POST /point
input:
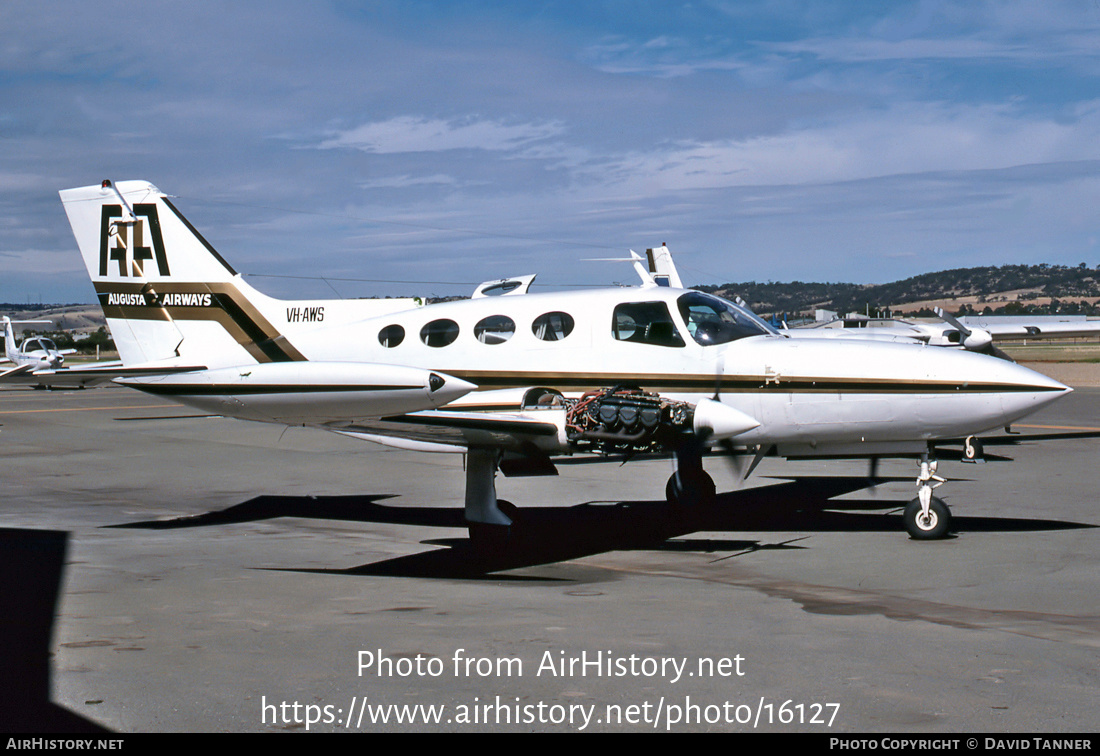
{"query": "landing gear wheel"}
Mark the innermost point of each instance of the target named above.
(972, 450)
(695, 490)
(935, 526)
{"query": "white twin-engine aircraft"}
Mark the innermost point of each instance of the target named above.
(512, 381)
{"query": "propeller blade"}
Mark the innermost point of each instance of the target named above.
(735, 459)
(973, 339)
(951, 320)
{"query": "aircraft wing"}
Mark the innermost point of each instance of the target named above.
(897, 336)
(1035, 329)
(91, 374)
(13, 375)
(456, 430)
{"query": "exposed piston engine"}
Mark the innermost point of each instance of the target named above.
(626, 419)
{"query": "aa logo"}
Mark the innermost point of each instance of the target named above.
(125, 242)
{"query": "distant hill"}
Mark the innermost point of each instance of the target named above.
(1007, 290)
(78, 318)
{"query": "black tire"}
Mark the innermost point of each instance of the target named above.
(972, 450)
(936, 526)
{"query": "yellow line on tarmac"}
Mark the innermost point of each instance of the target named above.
(1057, 427)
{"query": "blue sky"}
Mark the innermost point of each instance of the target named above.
(454, 142)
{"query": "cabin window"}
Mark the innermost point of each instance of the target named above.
(646, 323)
(712, 320)
(439, 333)
(495, 329)
(391, 336)
(553, 326)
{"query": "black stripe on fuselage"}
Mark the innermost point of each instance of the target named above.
(264, 341)
(740, 384)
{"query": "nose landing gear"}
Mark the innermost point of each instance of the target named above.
(927, 517)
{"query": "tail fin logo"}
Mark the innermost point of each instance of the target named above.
(123, 241)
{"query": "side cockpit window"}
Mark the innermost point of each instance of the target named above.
(645, 323)
(712, 320)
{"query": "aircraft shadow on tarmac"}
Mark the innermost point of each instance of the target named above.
(544, 535)
(32, 567)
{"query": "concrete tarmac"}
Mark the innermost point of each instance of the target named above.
(224, 576)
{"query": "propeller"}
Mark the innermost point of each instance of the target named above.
(735, 456)
(872, 473)
(973, 339)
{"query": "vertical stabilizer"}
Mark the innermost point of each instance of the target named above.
(166, 293)
(11, 351)
(662, 268)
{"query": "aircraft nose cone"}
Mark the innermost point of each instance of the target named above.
(1026, 378)
(1032, 390)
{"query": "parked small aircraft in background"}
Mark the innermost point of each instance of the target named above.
(975, 334)
(38, 362)
(34, 354)
(513, 381)
(37, 351)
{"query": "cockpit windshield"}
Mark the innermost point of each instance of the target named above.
(712, 320)
(39, 344)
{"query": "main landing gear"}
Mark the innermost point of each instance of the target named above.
(490, 527)
(690, 485)
(492, 521)
(927, 517)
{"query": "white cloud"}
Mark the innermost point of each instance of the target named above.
(414, 134)
(905, 139)
(405, 180)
